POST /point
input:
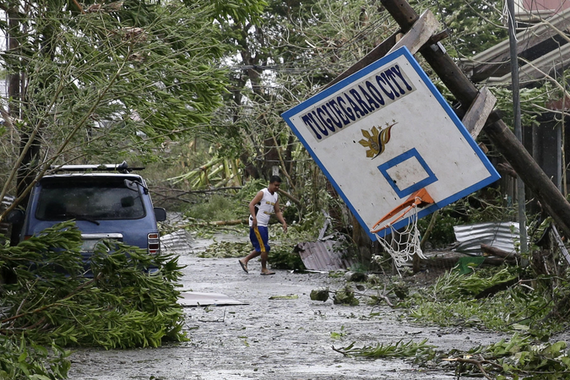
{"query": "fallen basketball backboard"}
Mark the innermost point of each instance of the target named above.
(384, 133)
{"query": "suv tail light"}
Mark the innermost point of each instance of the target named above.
(153, 243)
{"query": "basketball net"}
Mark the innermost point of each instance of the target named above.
(403, 244)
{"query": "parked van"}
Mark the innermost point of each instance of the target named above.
(106, 202)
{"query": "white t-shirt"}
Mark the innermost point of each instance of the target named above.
(266, 208)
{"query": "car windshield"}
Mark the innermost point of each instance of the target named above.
(88, 198)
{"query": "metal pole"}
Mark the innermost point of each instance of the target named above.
(521, 198)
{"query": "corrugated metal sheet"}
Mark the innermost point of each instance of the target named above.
(499, 235)
(176, 242)
(206, 299)
(323, 255)
(4, 204)
(7, 201)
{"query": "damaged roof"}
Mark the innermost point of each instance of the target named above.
(542, 49)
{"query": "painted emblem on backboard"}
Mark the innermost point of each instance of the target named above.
(376, 140)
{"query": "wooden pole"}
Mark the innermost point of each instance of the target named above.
(498, 132)
(378, 52)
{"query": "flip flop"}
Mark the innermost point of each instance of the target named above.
(267, 273)
(243, 266)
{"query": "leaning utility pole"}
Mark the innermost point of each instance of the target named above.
(498, 132)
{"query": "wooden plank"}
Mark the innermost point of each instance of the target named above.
(419, 34)
(489, 250)
(427, 25)
(479, 111)
(498, 132)
(379, 51)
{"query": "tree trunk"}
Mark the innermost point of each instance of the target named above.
(362, 241)
(13, 80)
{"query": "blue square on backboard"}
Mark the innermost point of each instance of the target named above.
(407, 189)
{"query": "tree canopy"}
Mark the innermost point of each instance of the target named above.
(101, 79)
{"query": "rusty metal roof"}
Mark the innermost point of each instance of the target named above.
(324, 255)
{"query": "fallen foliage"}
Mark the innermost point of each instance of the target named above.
(520, 357)
(226, 249)
(419, 351)
(452, 301)
(53, 304)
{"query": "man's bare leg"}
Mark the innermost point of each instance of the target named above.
(246, 259)
(264, 270)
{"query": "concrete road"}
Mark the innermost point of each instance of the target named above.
(278, 333)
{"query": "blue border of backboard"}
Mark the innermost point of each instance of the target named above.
(412, 153)
(403, 51)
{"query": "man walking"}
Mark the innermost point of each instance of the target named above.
(262, 206)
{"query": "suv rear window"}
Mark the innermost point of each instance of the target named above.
(88, 198)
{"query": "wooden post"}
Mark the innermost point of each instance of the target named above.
(378, 52)
(419, 34)
(497, 131)
(479, 111)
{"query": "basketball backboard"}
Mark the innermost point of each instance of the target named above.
(386, 132)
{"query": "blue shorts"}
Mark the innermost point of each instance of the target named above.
(264, 234)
